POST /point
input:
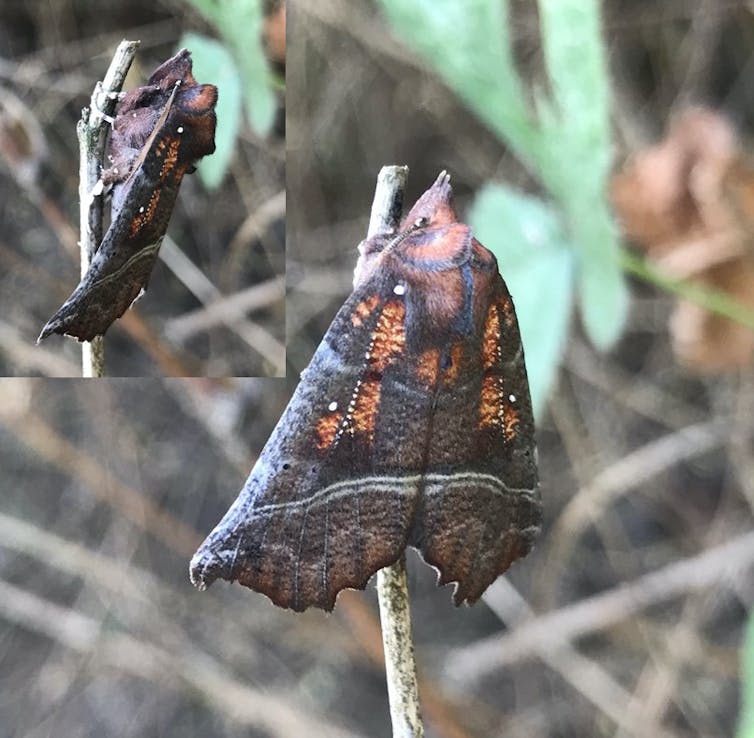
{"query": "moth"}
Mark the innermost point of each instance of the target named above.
(411, 426)
(159, 131)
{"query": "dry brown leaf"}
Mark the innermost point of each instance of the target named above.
(689, 202)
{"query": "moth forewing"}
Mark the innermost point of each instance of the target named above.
(411, 426)
(169, 140)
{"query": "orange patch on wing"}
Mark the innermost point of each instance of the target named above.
(365, 410)
(364, 309)
(144, 217)
(326, 429)
(428, 366)
(506, 305)
(136, 225)
(171, 158)
(389, 337)
(451, 373)
(495, 411)
(491, 340)
(490, 404)
(510, 422)
(388, 342)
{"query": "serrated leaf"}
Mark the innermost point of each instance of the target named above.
(467, 43)
(213, 63)
(536, 262)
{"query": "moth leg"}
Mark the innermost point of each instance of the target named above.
(99, 93)
(98, 96)
(96, 191)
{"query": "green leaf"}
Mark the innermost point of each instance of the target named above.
(240, 25)
(603, 293)
(536, 262)
(575, 159)
(575, 58)
(467, 43)
(213, 63)
(746, 717)
(568, 142)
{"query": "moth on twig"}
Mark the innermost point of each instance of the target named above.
(159, 132)
(412, 425)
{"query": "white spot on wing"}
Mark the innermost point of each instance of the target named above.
(333, 406)
(399, 289)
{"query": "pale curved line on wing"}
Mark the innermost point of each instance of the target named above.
(345, 489)
(407, 486)
(146, 251)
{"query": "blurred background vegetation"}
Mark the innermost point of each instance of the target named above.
(215, 304)
(629, 616)
(645, 444)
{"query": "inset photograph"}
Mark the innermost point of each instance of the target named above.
(142, 158)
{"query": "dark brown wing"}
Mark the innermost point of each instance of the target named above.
(480, 507)
(333, 495)
(412, 425)
(122, 265)
(142, 205)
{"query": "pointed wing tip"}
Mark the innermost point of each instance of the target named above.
(67, 328)
(203, 569)
(53, 325)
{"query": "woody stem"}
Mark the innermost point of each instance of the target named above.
(392, 585)
(92, 132)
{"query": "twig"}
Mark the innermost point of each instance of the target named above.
(717, 567)
(132, 504)
(387, 206)
(626, 474)
(400, 665)
(191, 669)
(92, 134)
(221, 309)
(17, 349)
(257, 222)
(711, 299)
(585, 675)
(392, 585)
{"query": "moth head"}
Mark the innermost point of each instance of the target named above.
(194, 119)
(175, 69)
(434, 208)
